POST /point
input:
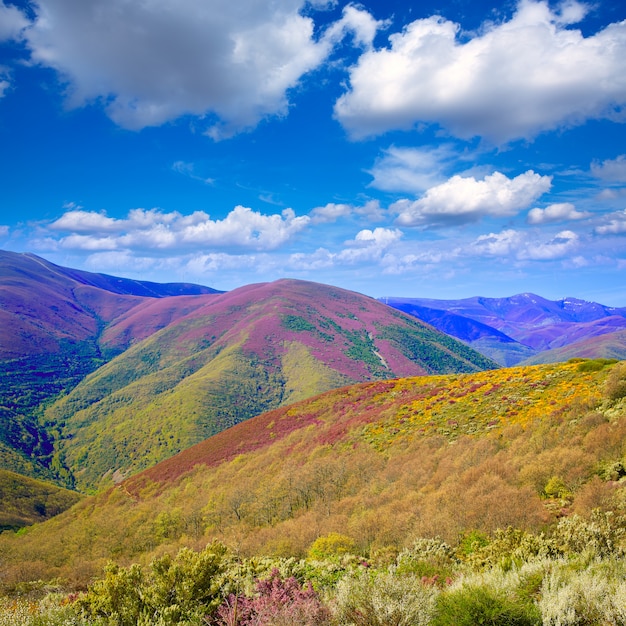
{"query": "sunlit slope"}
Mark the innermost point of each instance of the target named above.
(383, 462)
(242, 353)
(24, 501)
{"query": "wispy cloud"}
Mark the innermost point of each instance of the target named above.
(189, 170)
(412, 170)
(12, 22)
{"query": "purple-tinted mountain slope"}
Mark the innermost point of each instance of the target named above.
(521, 326)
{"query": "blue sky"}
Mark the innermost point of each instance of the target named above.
(438, 150)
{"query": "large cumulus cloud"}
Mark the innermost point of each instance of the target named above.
(512, 80)
(153, 61)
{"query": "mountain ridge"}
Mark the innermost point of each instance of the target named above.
(522, 326)
(240, 353)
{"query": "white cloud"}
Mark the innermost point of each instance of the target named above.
(611, 170)
(153, 229)
(219, 261)
(119, 261)
(616, 224)
(558, 212)
(80, 221)
(411, 170)
(154, 61)
(356, 21)
(465, 199)
(330, 213)
(371, 211)
(12, 22)
(498, 244)
(318, 260)
(513, 80)
(369, 245)
(525, 246)
(247, 228)
(418, 261)
(4, 231)
(562, 244)
(88, 242)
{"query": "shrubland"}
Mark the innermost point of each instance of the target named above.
(495, 497)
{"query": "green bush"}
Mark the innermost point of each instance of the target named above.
(173, 590)
(594, 365)
(469, 606)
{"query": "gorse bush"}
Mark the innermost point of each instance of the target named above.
(171, 591)
(332, 545)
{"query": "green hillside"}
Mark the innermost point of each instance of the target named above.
(382, 463)
(25, 501)
(243, 353)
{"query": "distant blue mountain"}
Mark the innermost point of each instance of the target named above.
(511, 330)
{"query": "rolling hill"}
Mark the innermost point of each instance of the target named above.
(239, 354)
(25, 501)
(522, 328)
(381, 462)
(56, 326)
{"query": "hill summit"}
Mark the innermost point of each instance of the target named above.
(241, 353)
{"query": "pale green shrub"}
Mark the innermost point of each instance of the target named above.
(429, 558)
(500, 597)
(52, 610)
(599, 536)
(578, 598)
(512, 547)
(386, 599)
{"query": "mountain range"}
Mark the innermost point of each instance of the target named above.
(278, 412)
(110, 376)
(525, 328)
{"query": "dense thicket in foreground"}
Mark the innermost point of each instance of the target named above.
(573, 576)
